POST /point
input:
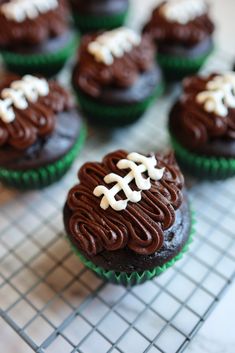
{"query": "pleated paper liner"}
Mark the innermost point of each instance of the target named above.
(43, 176)
(176, 68)
(115, 115)
(135, 278)
(86, 23)
(46, 64)
(211, 168)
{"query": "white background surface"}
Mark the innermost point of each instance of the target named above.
(217, 334)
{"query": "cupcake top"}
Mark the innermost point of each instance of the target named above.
(184, 22)
(206, 109)
(112, 59)
(126, 201)
(28, 109)
(24, 22)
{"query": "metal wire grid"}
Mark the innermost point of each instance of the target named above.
(57, 305)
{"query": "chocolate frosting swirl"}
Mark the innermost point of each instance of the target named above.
(165, 32)
(37, 121)
(91, 76)
(33, 31)
(196, 125)
(140, 226)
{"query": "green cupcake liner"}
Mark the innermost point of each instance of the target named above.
(46, 64)
(43, 176)
(178, 67)
(135, 278)
(86, 23)
(211, 168)
(115, 115)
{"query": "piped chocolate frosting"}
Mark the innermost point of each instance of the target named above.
(92, 75)
(166, 30)
(37, 118)
(33, 31)
(140, 226)
(206, 110)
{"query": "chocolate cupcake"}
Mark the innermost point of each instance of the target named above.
(116, 77)
(40, 131)
(182, 31)
(202, 126)
(35, 36)
(93, 15)
(129, 218)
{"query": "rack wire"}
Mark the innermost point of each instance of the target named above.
(57, 305)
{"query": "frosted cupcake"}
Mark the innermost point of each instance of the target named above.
(128, 219)
(35, 36)
(41, 132)
(202, 125)
(182, 31)
(116, 77)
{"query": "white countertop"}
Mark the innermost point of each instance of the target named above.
(217, 334)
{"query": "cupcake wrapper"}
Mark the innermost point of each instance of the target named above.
(135, 278)
(115, 115)
(212, 168)
(43, 176)
(88, 23)
(178, 67)
(47, 64)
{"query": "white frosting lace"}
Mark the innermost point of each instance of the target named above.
(19, 94)
(113, 44)
(20, 10)
(220, 94)
(146, 164)
(183, 11)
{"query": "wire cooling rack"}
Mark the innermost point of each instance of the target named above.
(58, 306)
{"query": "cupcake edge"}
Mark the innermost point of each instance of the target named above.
(87, 23)
(135, 278)
(116, 115)
(46, 175)
(211, 168)
(48, 64)
(178, 67)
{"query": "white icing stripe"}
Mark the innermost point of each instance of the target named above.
(20, 10)
(147, 164)
(7, 114)
(183, 11)
(27, 89)
(113, 44)
(220, 94)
